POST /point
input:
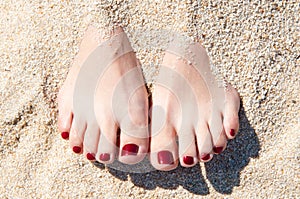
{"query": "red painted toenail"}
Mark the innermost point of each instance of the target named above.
(104, 156)
(217, 150)
(130, 149)
(232, 133)
(65, 135)
(77, 149)
(90, 156)
(205, 157)
(165, 157)
(188, 160)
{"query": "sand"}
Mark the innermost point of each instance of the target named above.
(254, 44)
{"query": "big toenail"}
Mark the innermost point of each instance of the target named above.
(104, 156)
(232, 133)
(90, 156)
(188, 160)
(77, 149)
(65, 135)
(217, 150)
(165, 157)
(205, 157)
(130, 149)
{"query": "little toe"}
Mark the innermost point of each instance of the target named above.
(231, 113)
(231, 124)
(231, 120)
(76, 135)
(164, 150)
(107, 143)
(90, 142)
(187, 148)
(64, 123)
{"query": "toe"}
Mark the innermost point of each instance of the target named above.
(164, 151)
(77, 134)
(64, 122)
(220, 145)
(90, 142)
(231, 122)
(134, 137)
(65, 115)
(187, 148)
(231, 118)
(204, 143)
(107, 142)
(219, 138)
(133, 145)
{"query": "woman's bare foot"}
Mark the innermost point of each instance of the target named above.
(104, 91)
(192, 115)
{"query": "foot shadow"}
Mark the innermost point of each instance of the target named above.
(145, 176)
(223, 171)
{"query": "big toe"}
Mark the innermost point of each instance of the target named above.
(163, 146)
(132, 149)
(134, 136)
(134, 142)
(164, 152)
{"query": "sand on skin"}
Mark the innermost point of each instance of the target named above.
(253, 44)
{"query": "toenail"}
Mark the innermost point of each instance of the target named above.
(77, 149)
(130, 149)
(205, 157)
(165, 157)
(232, 133)
(218, 150)
(65, 135)
(189, 160)
(90, 156)
(104, 156)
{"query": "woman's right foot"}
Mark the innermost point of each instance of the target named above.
(105, 91)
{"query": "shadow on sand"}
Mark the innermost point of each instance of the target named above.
(223, 171)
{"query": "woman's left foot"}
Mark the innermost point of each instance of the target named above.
(190, 108)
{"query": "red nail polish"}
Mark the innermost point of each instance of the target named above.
(90, 156)
(188, 160)
(217, 150)
(77, 149)
(65, 135)
(205, 157)
(104, 156)
(130, 149)
(165, 157)
(232, 133)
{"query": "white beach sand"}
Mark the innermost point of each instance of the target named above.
(255, 44)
